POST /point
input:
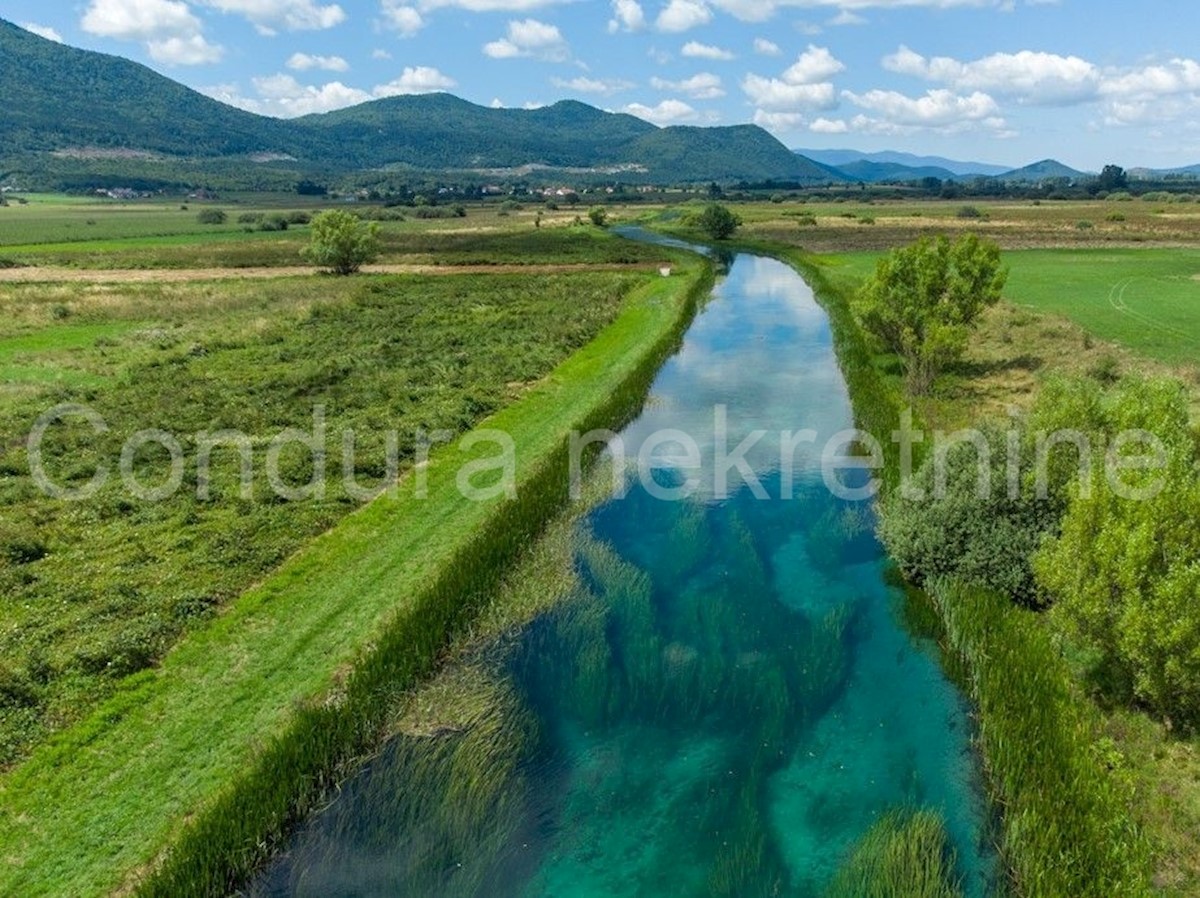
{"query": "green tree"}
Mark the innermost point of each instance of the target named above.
(924, 300)
(212, 216)
(598, 216)
(1113, 177)
(341, 242)
(718, 222)
(1125, 571)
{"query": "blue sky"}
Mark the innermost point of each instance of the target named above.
(1009, 81)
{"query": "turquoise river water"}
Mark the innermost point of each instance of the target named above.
(724, 707)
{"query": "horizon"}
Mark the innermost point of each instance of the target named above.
(960, 79)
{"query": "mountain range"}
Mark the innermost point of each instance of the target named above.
(84, 113)
(81, 104)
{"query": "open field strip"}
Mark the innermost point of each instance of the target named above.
(94, 810)
(41, 274)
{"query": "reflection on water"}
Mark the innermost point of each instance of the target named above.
(725, 705)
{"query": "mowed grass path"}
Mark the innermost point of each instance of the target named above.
(1145, 299)
(91, 811)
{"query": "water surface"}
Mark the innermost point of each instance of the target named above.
(724, 707)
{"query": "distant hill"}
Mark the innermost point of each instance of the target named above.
(882, 172)
(1155, 174)
(1046, 170)
(842, 158)
(88, 106)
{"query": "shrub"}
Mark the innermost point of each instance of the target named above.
(807, 220)
(341, 242)
(212, 217)
(1115, 216)
(250, 218)
(273, 223)
(1124, 571)
(598, 216)
(299, 217)
(1084, 225)
(1106, 370)
(969, 212)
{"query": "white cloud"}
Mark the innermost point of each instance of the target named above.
(380, 54)
(764, 47)
(529, 37)
(704, 86)
(829, 126)
(585, 85)
(283, 96)
(1028, 76)
(302, 62)
(813, 65)
(779, 122)
(402, 17)
(803, 86)
(45, 31)
(697, 50)
(420, 79)
(170, 31)
(941, 110)
(292, 15)
(194, 50)
(668, 112)
(683, 15)
(846, 17)
(628, 15)
(761, 10)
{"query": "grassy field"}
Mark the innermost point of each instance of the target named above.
(99, 802)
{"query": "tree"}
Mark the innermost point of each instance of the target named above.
(1124, 572)
(1113, 177)
(718, 222)
(212, 216)
(598, 216)
(924, 299)
(341, 242)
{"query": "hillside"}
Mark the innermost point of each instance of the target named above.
(842, 158)
(881, 172)
(97, 108)
(1046, 170)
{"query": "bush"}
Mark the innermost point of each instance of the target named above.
(1084, 225)
(969, 212)
(212, 217)
(250, 218)
(718, 222)
(807, 220)
(954, 529)
(273, 223)
(598, 216)
(1115, 217)
(1123, 571)
(341, 242)
(298, 218)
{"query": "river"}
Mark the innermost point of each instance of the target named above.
(726, 704)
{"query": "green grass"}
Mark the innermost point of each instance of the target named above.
(904, 855)
(247, 717)
(1146, 299)
(119, 580)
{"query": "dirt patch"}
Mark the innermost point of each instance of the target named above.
(35, 274)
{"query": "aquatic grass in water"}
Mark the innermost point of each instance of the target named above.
(727, 703)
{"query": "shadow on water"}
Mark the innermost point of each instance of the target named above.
(726, 704)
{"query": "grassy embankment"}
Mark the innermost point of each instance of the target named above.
(295, 676)
(1067, 827)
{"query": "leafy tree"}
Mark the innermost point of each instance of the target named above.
(1125, 571)
(341, 242)
(212, 217)
(598, 216)
(719, 222)
(1113, 177)
(924, 299)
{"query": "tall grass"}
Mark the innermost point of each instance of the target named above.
(902, 856)
(231, 837)
(1067, 827)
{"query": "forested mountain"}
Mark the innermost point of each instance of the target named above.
(844, 158)
(58, 99)
(1046, 170)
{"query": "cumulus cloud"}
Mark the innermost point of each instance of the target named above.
(764, 47)
(302, 62)
(704, 86)
(683, 15)
(291, 15)
(668, 112)
(697, 50)
(169, 30)
(1028, 76)
(400, 16)
(529, 37)
(586, 85)
(802, 87)
(761, 10)
(45, 31)
(628, 15)
(283, 96)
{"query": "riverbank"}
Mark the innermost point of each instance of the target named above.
(1067, 823)
(185, 779)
